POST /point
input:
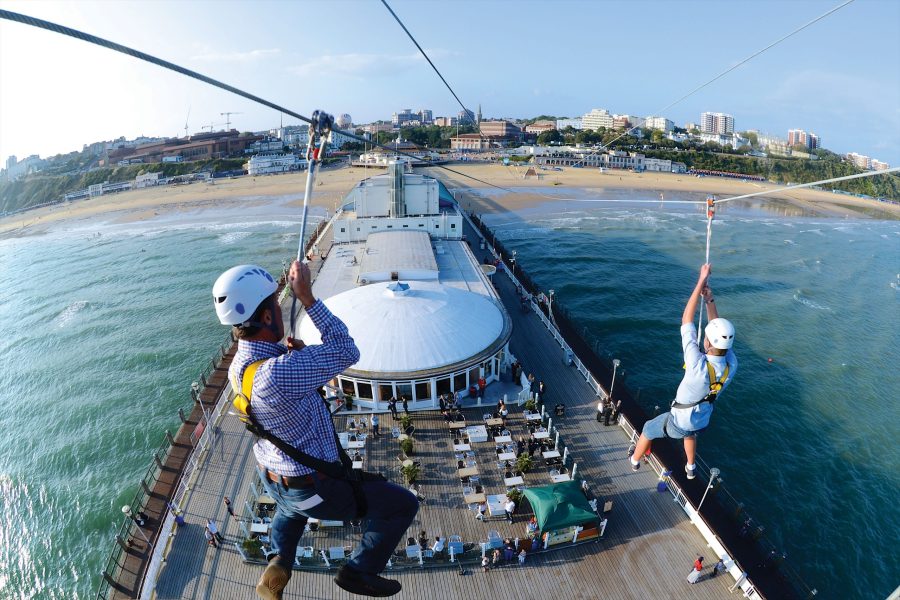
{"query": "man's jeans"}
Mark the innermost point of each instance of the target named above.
(391, 511)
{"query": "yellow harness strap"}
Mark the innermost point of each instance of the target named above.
(715, 385)
(243, 391)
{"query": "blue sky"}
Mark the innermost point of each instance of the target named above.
(840, 78)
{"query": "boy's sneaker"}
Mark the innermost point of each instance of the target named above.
(365, 584)
(691, 473)
(631, 449)
(635, 467)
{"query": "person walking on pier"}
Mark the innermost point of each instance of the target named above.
(375, 423)
(227, 502)
(304, 468)
(706, 375)
(392, 406)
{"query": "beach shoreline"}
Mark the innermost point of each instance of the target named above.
(255, 193)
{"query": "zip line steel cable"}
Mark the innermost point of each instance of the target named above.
(466, 111)
(732, 68)
(92, 39)
(399, 22)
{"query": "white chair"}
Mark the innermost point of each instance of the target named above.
(336, 553)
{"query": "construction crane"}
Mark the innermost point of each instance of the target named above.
(227, 116)
(186, 122)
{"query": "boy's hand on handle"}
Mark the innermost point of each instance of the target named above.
(705, 272)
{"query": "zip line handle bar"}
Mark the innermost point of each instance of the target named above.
(320, 125)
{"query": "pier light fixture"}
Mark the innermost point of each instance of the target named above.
(616, 363)
(126, 510)
(713, 475)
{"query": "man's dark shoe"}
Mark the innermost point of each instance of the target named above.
(365, 584)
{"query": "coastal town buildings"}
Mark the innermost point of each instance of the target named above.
(500, 132)
(800, 137)
(470, 141)
(711, 122)
(265, 164)
(445, 121)
(16, 168)
(575, 123)
(732, 139)
(205, 146)
(597, 118)
(660, 123)
(539, 127)
(877, 165)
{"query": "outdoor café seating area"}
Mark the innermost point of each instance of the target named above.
(470, 464)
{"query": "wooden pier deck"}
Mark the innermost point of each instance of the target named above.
(647, 550)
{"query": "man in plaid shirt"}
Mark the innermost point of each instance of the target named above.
(285, 402)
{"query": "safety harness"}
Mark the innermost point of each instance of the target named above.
(715, 386)
(343, 470)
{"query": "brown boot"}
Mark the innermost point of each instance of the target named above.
(273, 581)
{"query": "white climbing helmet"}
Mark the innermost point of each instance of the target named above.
(720, 333)
(239, 291)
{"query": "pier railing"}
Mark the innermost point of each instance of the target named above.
(769, 564)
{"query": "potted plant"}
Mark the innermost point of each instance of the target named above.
(406, 423)
(406, 445)
(530, 405)
(515, 495)
(524, 463)
(410, 473)
(252, 547)
(348, 399)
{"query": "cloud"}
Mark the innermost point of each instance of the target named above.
(248, 56)
(359, 65)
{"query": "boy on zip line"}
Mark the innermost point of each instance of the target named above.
(706, 374)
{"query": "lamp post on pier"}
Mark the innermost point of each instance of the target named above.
(713, 474)
(550, 298)
(616, 363)
(513, 261)
(126, 510)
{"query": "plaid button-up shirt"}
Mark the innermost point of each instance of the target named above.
(284, 398)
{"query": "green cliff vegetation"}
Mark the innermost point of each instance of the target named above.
(788, 170)
(41, 188)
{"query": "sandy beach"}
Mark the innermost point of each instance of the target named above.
(332, 184)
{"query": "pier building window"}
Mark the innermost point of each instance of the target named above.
(365, 389)
(348, 386)
(488, 369)
(423, 391)
(459, 382)
(385, 391)
(473, 375)
(443, 386)
(404, 389)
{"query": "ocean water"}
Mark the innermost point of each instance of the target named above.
(104, 335)
(807, 441)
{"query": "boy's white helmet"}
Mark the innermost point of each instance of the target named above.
(239, 291)
(720, 333)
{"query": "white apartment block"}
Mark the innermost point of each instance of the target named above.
(263, 164)
(597, 118)
(860, 160)
(711, 122)
(573, 123)
(877, 165)
(732, 139)
(661, 123)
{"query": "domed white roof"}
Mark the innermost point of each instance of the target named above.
(413, 326)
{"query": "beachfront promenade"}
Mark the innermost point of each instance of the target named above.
(647, 550)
